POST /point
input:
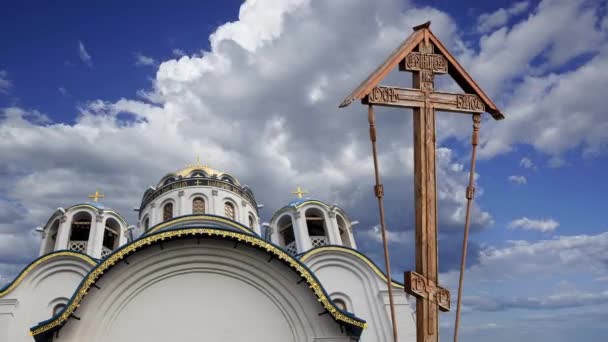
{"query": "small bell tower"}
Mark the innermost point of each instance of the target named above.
(307, 223)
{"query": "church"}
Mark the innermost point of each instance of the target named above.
(203, 268)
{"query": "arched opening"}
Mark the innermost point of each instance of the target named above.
(58, 308)
(146, 223)
(344, 232)
(79, 232)
(229, 210)
(198, 205)
(168, 211)
(51, 237)
(251, 221)
(317, 230)
(111, 237)
(198, 174)
(169, 180)
(286, 234)
(340, 304)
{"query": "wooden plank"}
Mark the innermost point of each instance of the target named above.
(425, 197)
(418, 286)
(413, 98)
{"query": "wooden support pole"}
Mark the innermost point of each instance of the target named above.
(379, 192)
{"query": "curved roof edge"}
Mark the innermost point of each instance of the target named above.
(302, 202)
(37, 262)
(184, 219)
(43, 331)
(342, 249)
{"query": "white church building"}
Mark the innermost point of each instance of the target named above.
(203, 269)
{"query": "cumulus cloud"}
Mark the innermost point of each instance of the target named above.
(489, 21)
(543, 225)
(142, 60)
(5, 83)
(253, 105)
(519, 180)
(84, 55)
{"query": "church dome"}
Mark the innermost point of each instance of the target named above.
(198, 170)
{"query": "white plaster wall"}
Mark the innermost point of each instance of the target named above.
(49, 284)
(212, 291)
(214, 204)
(348, 277)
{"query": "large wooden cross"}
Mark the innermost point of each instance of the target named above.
(424, 55)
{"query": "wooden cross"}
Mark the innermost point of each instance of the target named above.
(96, 196)
(418, 55)
(299, 192)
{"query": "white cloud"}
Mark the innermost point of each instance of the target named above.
(85, 57)
(551, 102)
(178, 52)
(5, 83)
(63, 91)
(543, 225)
(527, 163)
(518, 179)
(489, 21)
(254, 105)
(144, 60)
(375, 234)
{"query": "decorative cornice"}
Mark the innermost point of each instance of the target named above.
(341, 249)
(29, 268)
(292, 207)
(186, 218)
(340, 316)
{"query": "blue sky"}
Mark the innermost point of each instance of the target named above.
(115, 96)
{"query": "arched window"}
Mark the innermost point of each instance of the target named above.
(168, 211)
(111, 236)
(251, 221)
(58, 308)
(340, 304)
(79, 232)
(198, 205)
(286, 235)
(51, 237)
(315, 221)
(146, 224)
(344, 231)
(229, 210)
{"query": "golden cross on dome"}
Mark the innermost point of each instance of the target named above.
(96, 196)
(299, 192)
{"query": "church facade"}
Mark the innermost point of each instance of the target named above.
(202, 268)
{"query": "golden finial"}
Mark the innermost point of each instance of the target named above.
(299, 192)
(96, 196)
(197, 164)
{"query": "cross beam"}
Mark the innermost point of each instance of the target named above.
(415, 98)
